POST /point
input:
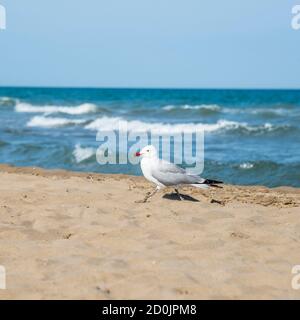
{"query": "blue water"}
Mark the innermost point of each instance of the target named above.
(252, 136)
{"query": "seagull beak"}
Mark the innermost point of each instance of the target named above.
(137, 154)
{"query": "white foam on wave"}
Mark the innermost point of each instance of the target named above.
(216, 108)
(208, 107)
(273, 111)
(82, 154)
(117, 123)
(49, 122)
(246, 165)
(5, 99)
(8, 100)
(261, 111)
(75, 110)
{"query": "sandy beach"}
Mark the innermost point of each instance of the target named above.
(66, 235)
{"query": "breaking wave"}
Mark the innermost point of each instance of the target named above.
(49, 122)
(117, 123)
(208, 107)
(80, 154)
(246, 165)
(7, 101)
(76, 110)
(211, 109)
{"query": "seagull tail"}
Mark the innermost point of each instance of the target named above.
(213, 183)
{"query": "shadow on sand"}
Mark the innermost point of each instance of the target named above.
(174, 196)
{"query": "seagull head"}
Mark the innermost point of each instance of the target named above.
(147, 152)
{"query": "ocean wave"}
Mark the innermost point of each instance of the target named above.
(212, 107)
(256, 166)
(49, 122)
(117, 123)
(209, 109)
(3, 143)
(80, 154)
(202, 109)
(5, 99)
(8, 101)
(263, 112)
(246, 165)
(76, 110)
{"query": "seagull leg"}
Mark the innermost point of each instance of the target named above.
(148, 196)
(179, 195)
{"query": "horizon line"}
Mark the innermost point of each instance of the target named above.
(144, 88)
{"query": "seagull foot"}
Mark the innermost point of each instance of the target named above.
(148, 196)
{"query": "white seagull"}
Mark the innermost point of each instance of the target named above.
(166, 174)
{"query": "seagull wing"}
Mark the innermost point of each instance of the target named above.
(171, 175)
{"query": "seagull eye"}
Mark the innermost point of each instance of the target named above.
(147, 150)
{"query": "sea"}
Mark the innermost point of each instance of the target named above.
(251, 137)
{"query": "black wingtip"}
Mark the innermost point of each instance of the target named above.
(212, 182)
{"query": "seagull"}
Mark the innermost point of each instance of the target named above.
(165, 174)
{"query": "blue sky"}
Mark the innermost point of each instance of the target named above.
(157, 43)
